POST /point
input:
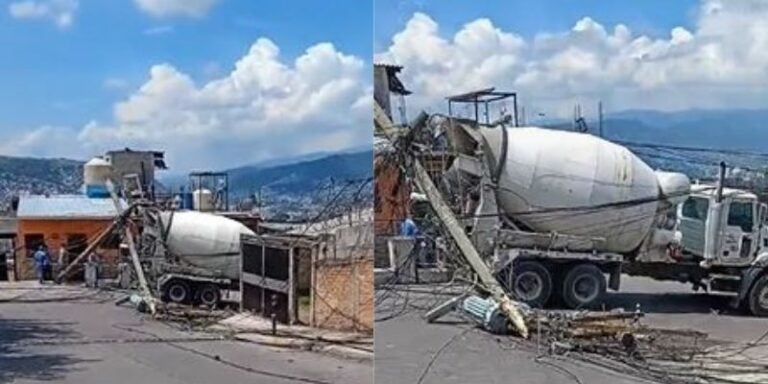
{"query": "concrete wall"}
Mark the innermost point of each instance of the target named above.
(381, 89)
(55, 233)
(124, 163)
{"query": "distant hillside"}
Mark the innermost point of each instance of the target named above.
(302, 177)
(38, 176)
(733, 129)
(297, 186)
(296, 176)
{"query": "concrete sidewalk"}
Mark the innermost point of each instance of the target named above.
(247, 327)
(29, 291)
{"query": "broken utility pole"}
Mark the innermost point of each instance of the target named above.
(147, 293)
(508, 306)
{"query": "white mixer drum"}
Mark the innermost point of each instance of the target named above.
(205, 240)
(564, 172)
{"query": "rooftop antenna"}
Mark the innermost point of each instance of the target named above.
(600, 117)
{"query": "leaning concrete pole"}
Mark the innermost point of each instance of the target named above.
(510, 308)
(134, 255)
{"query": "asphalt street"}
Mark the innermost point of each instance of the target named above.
(93, 341)
(453, 351)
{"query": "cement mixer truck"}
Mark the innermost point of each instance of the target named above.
(561, 215)
(191, 256)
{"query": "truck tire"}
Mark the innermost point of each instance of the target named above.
(758, 297)
(530, 282)
(209, 295)
(177, 291)
(583, 285)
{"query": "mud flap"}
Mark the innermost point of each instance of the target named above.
(614, 280)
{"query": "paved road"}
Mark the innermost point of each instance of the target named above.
(405, 344)
(70, 342)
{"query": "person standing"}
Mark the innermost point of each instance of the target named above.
(42, 262)
(408, 228)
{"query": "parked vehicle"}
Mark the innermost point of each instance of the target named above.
(555, 212)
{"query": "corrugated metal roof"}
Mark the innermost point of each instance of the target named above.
(66, 207)
(8, 226)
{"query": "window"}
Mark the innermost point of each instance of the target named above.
(696, 208)
(740, 214)
(32, 242)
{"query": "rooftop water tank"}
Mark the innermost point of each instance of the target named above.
(96, 172)
(202, 200)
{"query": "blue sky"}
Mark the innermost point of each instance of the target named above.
(54, 75)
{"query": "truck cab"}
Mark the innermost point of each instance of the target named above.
(737, 234)
(725, 230)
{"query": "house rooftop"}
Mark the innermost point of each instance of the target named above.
(66, 207)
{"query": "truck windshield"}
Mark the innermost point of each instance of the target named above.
(696, 208)
(740, 215)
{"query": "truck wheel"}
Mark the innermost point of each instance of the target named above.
(584, 284)
(530, 282)
(758, 297)
(209, 295)
(177, 291)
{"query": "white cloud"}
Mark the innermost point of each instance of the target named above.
(116, 83)
(60, 12)
(171, 8)
(263, 108)
(721, 62)
(158, 30)
(45, 141)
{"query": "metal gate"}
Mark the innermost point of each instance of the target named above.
(268, 270)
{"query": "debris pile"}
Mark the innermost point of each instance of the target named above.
(619, 341)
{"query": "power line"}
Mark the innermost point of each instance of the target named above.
(692, 149)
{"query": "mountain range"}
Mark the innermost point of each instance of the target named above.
(711, 131)
(290, 178)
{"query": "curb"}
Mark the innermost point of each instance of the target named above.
(306, 345)
(347, 352)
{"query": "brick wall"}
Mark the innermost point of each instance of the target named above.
(55, 234)
(343, 297)
(391, 197)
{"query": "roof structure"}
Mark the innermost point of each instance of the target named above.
(8, 227)
(66, 207)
